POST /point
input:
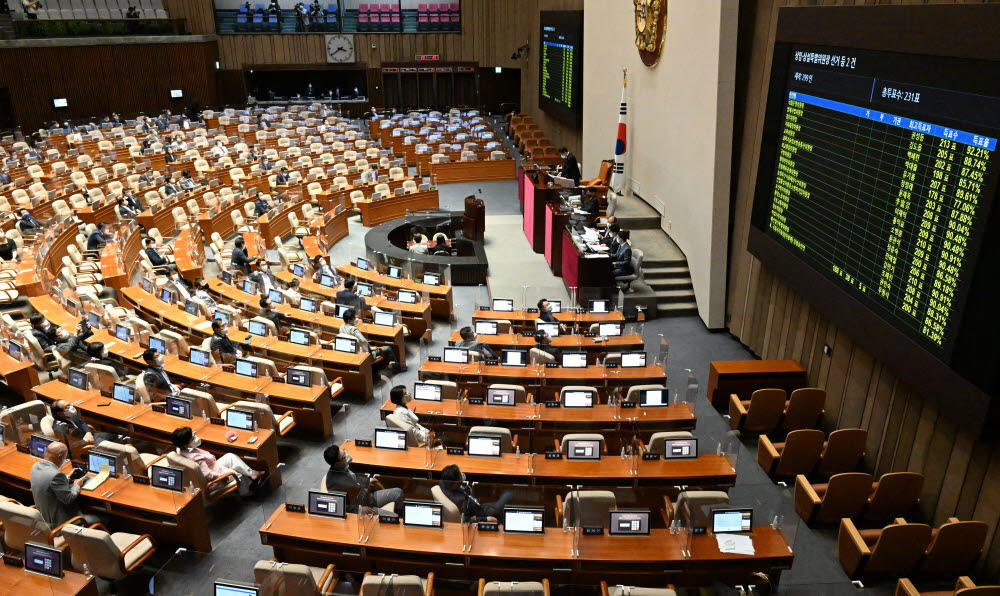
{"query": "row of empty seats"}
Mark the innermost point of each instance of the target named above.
(438, 17)
(100, 9)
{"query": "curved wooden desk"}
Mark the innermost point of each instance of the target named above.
(389, 208)
(442, 306)
(19, 581)
(523, 317)
(481, 170)
(571, 343)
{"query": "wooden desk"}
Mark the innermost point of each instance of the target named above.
(170, 517)
(473, 171)
(543, 382)
(417, 317)
(188, 254)
(527, 319)
(642, 560)
(538, 417)
(332, 198)
(331, 228)
(442, 306)
(105, 212)
(355, 369)
(743, 377)
(376, 334)
(19, 375)
(19, 581)
(389, 208)
(119, 261)
(223, 221)
(706, 471)
(570, 343)
(593, 276)
(141, 422)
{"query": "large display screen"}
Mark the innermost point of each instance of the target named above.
(560, 65)
(874, 199)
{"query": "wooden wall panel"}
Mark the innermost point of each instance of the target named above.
(98, 80)
(199, 14)
(491, 31)
(905, 430)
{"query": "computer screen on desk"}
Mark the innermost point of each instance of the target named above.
(15, 350)
(122, 332)
(178, 406)
(249, 287)
(94, 319)
(583, 449)
(307, 304)
(326, 280)
(629, 522)
(609, 329)
(653, 398)
(599, 306)
(246, 368)
(166, 296)
(191, 307)
(394, 272)
(257, 328)
(43, 559)
(500, 397)
(299, 337)
(227, 277)
(432, 279)
(406, 296)
(37, 444)
(156, 343)
(96, 458)
(123, 393)
(240, 418)
(426, 392)
(552, 329)
(523, 519)
(346, 345)
(484, 445)
(167, 477)
(514, 357)
(228, 588)
(298, 377)
(389, 438)
(298, 270)
(364, 290)
(503, 305)
(363, 264)
(221, 316)
(633, 359)
(680, 448)
(78, 378)
(385, 319)
(199, 357)
(340, 309)
(426, 514)
(578, 399)
(732, 521)
(574, 360)
(486, 327)
(555, 306)
(276, 296)
(456, 355)
(332, 504)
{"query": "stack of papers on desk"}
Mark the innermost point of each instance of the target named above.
(591, 235)
(736, 544)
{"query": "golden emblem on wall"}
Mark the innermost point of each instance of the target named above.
(650, 27)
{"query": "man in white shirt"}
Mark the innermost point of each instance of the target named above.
(348, 328)
(418, 247)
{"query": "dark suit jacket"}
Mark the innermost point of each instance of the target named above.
(155, 258)
(571, 169)
(170, 189)
(623, 259)
(240, 260)
(549, 348)
(260, 207)
(155, 376)
(281, 179)
(349, 482)
(96, 240)
(222, 344)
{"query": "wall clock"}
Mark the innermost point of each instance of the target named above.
(650, 29)
(340, 48)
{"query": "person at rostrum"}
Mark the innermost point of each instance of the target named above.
(399, 396)
(546, 316)
(360, 489)
(570, 169)
(468, 335)
(348, 328)
(55, 495)
(187, 444)
(544, 343)
(223, 348)
(452, 484)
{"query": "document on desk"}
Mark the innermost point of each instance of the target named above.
(591, 235)
(736, 544)
(94, 482)
(203, 325)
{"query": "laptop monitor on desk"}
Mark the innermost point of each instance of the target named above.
(653, 398)
(425, 514)
(78, 378)
(484, 445)
(157, 343)
(37, 444)
(680, 448)
(406, 296)
(633, 359)
(513, 357)
(345, 345)
(389, 438)
(246, 368)
(384, 319)
(628, 522)
(456, 355)
(230, 588)
(299, 337)
(500, 397)
(96, 458)
(240, 418)
(307, 304)
(178, 406)
(43, 559)
(199, 357)
(523, 519)
(394, 272)
(486, 327)
(574, 360)
(599, 306)
(167, 477)
(426, 392)
(364, 290)
(257, 328)
(732, 521)
(609, 329)
(583, 449)
(552, 329)
(503, 305)
(298, 377)
(330, 504)
(363, 265)
(123, 393)
(578, 399)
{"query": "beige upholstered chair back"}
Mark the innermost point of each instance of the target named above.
(588, 508)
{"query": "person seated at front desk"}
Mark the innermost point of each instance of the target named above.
(348, 328)
(50, 336)
(201, 293)
(623, 258)
(98, 238)
(223, 349)
(452, 484)
(68, 424)
(262, 276)
(360, 489)
(469, 341)
(187, 444)
(98, 353)
(591, 204)
(155, 377)
(399, 396)
(28, 223)
(267, 311)
(155, 258)
(544, 343)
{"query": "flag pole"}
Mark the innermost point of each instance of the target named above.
(617, 184)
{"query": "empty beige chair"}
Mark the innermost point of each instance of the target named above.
(844, 496)
(760, 414)
(439, 158)
(298, 230)
(237, 174)
(954, 548)
(397, 585)
(339, 183)
(893, 550)
(964, 587)
(513, 588)
(201, 165)
(537, 356)
(803, 409)
(383, 189)
(357, 197)
(102, 376)
(658, 440)
(180, 219)
(495, 155)
(469, 156)
(202, 403)
(842, 452)
(563, 444)
(797, 454)
(593, 508)
(23, 524)
(239, 223)
(136, 462)
(694, 507)
(396, 173)
(109, 556)
(292, 579)
(36, 172)
(193, 208)
(507, 441)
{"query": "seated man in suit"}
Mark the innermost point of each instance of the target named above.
(54, 494)
(98, 353)
(260, 206)
(67, 423)
(544, 343)
(546, 316)
(154, 255)
(570, 168)
(154, 377)
(170, 188)
(239, 260)
(28, 223)
(262, 276)
(187, 444)
(360, 489)
(223, 348)
(347, 297)
(469, 341)
(186, 181)
(623, 258)
(610, 239)
(125, 209)
(50, 336)
(591, 204)
(97, 238)
(282, 178)
(349, 328)
(267, 311)
(201, 293)
(452, 484)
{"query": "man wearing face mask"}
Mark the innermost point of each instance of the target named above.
(187, 445)
(399, 396)
(70, 425)
(155, 377)
(223, 349)
(359, 488)
(98, 353)
(201, 293)
(49, 336)
(54, 494)
(546, 316)
(453, 485)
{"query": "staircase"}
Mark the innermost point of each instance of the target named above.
(666, 290)
(7, 30)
